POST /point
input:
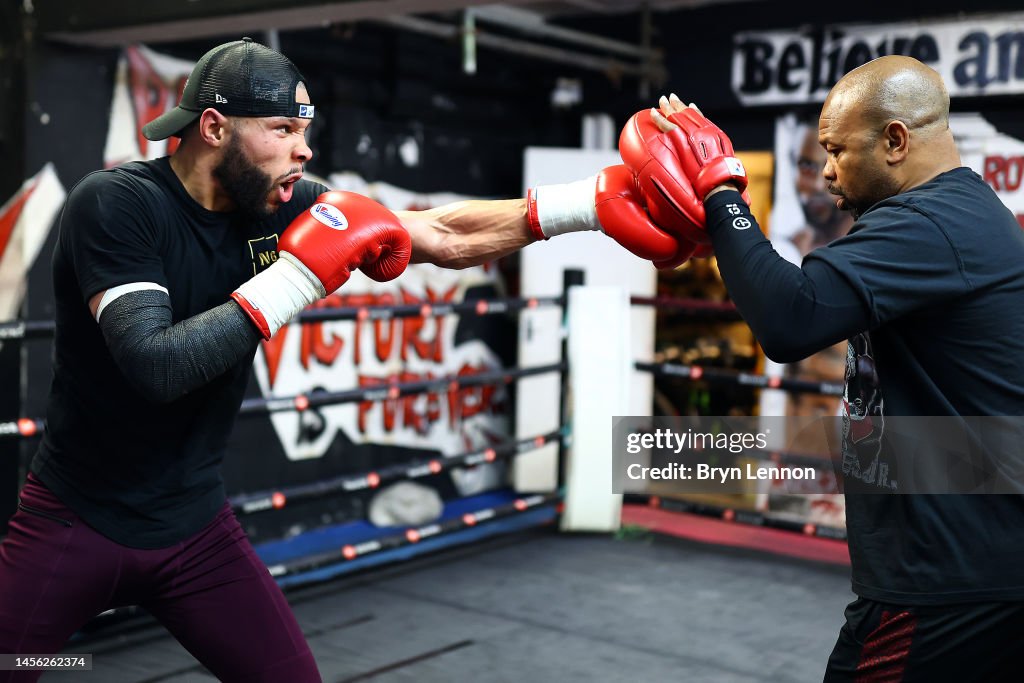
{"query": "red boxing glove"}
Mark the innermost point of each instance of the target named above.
(706, 153)
(623, 218)
(609, 202)
(342, 231)
(662, 178)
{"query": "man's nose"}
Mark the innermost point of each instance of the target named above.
(303, 152)
(828, 172)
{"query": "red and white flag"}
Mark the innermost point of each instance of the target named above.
(25, 221)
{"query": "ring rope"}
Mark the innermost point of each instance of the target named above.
(723, 376)
(415, 469)
(26, 427)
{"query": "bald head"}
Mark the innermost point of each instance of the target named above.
(896, 88)
(885, 130)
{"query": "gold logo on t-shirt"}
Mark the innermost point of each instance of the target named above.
(263, 251)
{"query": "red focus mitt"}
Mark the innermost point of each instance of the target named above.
(711, 160)
(662, 179)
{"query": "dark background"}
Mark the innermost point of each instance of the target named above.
(374, 87)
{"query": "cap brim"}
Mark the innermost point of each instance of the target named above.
(169, 123)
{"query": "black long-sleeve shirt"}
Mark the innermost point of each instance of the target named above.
(929, 288)
(793, 311)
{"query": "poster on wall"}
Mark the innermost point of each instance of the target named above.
(805, 217)
(342, 355)
(998, 158)
(976, 56)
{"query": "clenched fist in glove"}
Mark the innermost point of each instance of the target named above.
(342, 231)
(609, 202)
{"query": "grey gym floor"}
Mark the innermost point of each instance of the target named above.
(541, 606)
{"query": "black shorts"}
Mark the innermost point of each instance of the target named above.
(962, 643)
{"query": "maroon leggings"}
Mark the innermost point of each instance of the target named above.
(211, 591)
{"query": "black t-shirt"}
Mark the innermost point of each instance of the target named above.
(941, 269)
(143, 474)
(929, 289)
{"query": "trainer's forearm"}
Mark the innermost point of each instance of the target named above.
(164, 362)
(467, 233)
(792, 311)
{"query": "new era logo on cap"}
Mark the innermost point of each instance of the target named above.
(306, 111)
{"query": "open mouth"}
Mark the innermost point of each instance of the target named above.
(285, 187)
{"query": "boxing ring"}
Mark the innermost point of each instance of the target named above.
(489, 581)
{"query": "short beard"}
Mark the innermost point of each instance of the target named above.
(245, 184)
(882, 187)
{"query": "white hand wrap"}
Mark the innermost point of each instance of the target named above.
(281, 291)
(568, 207)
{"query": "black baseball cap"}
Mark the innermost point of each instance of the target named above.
(240, 78)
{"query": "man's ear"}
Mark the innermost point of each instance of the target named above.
(213, 127)
(897, 142)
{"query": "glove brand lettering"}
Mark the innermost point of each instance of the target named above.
(330, 216)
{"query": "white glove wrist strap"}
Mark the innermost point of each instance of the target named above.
(568, 207)
(282, 290)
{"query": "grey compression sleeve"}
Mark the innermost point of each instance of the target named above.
(163, 362)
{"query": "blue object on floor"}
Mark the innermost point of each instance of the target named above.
(333, 538)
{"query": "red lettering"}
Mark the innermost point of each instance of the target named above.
(365, 406)
(421, 411)
(388, 405)
(355, 301)
(412, 328)
(313, 343)
(994, 168)
(1014, 170)
(272, 352)
(383, 344)
(423, 336)
(465, 402)
(1004, 174)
